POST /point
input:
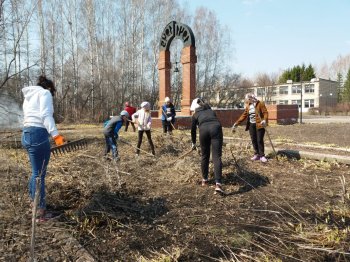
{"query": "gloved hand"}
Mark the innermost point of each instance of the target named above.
(148, 125)
(263, 123)
(59, 140)
(169, 119)
(233, 129)
(194, 146)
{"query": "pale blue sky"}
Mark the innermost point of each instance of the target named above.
(272, 35)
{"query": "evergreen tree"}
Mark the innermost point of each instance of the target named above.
(346, 91)
(297, 73)
(309, 73)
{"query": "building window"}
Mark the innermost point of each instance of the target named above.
(273, 91)
(283, 90)
(310, 88)
(273, 102)
(309, 103)
(260, 91)
(296, 102)
(283, 102)
(296, 89)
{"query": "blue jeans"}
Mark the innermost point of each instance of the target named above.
(111, 143)
(36, 141)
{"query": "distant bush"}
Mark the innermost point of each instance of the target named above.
(314, 111)
(339, 109)
(343, 108)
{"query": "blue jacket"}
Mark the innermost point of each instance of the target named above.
(168, 111)
(112, 126)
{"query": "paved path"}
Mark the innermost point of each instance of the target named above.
(326, 119)
(298, 154)
(297, 151)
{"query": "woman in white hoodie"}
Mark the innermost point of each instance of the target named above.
(39, 124)
(143, 119)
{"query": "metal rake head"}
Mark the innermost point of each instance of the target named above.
(68, 147)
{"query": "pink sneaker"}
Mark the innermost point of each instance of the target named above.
(263, 159)
(255, 157)
(205, 182)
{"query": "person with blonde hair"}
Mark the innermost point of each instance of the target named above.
(143, 120)
(257, 118)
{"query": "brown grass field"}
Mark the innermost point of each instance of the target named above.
(153, 209)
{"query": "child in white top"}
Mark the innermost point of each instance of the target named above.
(143, 120)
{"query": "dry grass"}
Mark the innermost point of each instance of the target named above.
(149, 209)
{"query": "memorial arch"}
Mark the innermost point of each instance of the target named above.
(176, 30)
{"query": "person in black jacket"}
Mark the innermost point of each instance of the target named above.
(168, 116)
(210, 135)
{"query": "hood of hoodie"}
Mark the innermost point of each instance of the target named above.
(38, 109)
(202, 108)
(31, 91)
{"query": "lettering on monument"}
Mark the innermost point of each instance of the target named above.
(178, 31)
(166, 35)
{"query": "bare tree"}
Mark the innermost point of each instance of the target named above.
(102, 53)
(13, 32)
(266, 84)
(211, 42)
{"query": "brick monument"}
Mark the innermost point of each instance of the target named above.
(176, 30)
(281, 114)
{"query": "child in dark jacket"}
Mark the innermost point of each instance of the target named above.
(168, 116)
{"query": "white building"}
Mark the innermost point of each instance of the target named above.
(310, 94)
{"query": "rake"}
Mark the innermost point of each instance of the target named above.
(268, 136)
(170, 121)
(128, 143)
(68, 147)
(182, 156)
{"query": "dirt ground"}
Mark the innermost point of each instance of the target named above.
(154, 209)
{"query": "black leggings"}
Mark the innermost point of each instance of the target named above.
(257, 136)
(148, 133)
(210, 135)
(167, 126)
(127, 125)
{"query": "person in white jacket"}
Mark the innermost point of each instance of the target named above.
(143, 120)
(38, 125)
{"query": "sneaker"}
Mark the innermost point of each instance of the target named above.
(255, 157)
(205, 182)
(218, 189)
(263, 159)
(42, 216)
